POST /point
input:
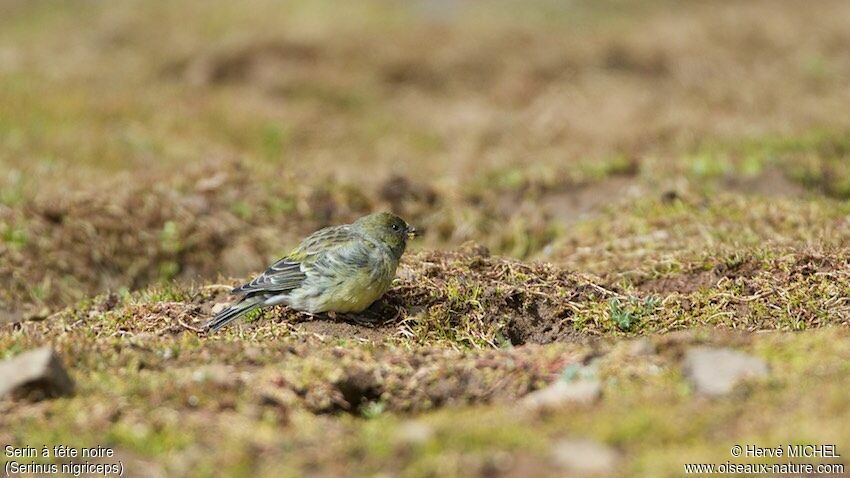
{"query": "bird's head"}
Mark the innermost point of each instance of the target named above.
(387, 228)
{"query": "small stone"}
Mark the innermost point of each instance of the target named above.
(415, 433)
(35, 375)
(641, 347)
(716, 371)
(561, 393)
(219, 307)
(585, 457)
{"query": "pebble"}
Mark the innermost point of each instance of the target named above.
(585, 457)
(36, 374)
(716, 371)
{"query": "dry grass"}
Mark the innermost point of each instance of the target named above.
(586, 173)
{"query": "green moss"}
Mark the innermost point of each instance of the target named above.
(15, 237)
(626, 315)
(817, 160)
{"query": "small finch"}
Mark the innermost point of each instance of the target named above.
(336, 269)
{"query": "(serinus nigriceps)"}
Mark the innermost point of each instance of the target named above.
(336, 269)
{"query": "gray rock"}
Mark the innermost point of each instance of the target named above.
(415, 433)
(585, 457)
(641, 347)
(716, 371)
(35, 375)
(562, 393)
(219, 307)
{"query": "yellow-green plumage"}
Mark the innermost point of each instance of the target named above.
(356, 293)
(337, 269)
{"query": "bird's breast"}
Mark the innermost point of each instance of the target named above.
(351, 289)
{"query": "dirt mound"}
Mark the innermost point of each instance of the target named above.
(468, 299)
(460, 298)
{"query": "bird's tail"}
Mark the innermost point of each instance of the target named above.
(233, 312)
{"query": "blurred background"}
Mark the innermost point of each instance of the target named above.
(698, 150)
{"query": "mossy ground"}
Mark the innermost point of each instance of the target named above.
(586, 176)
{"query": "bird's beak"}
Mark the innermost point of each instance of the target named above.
(411, 232)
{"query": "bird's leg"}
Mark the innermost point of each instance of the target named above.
(318, 315)
(371, 316)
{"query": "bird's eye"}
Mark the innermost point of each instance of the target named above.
(395, 227)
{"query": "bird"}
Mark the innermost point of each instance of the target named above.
(337, 269)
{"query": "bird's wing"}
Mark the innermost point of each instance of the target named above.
(289, 272)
